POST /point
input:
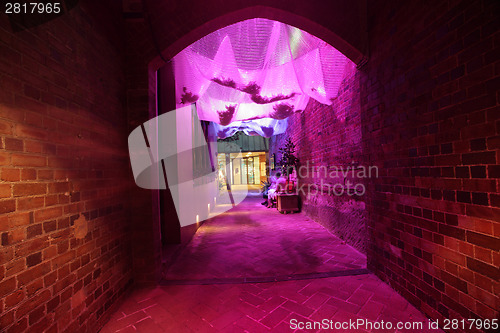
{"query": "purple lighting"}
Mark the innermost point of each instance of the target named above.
(254, 74)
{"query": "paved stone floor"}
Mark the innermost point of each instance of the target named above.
(251, 240)
(253, 269)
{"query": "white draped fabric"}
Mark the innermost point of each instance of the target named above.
(252, 75)
(265, 127)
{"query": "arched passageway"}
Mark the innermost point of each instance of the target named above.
(400, 125)
(252, 247)
(77, 234)
(171, 36)
(253, 76)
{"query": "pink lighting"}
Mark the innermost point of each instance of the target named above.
(265, 127)
(254, 74)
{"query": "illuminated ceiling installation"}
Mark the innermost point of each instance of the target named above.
(254, 74)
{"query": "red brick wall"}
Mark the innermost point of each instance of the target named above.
(328, 140)
(428, 117)
(63, 160)
(141, 106)
(430, 121)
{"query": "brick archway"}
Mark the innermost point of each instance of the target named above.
(272, 13)
(170, 45)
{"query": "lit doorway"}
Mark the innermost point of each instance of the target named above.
(249, 169)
